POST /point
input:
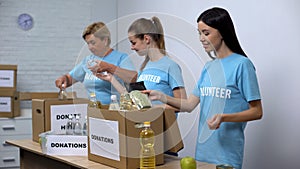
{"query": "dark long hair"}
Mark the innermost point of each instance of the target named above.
(220, 19)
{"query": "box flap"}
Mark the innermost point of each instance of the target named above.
(172, 137)
(38, 118)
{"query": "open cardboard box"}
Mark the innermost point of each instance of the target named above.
(41, 113)
(125, 153)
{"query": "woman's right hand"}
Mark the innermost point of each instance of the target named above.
(60, 81)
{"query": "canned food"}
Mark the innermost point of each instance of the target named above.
(224, 166)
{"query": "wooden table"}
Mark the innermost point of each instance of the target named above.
(32, 157)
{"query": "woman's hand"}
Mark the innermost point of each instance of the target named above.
(215, 122)
(104, 76)
(102, 66)
(59, 82)
(155, 95)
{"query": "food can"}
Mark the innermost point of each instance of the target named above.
(224, 166)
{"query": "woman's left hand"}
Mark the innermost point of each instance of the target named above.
(102, 66)
(104, 76)
(215, 122)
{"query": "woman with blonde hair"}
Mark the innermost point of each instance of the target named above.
(97, 37)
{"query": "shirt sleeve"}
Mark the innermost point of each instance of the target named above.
(78, 72)
(247, 81)
(175, 76)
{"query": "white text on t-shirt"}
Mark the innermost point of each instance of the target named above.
(151, 78)
(215, 92)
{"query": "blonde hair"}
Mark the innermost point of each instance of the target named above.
(151, 27)
(99, 30)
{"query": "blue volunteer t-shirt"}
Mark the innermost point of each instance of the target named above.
(163, 75)
(225, 86)
(102, 88)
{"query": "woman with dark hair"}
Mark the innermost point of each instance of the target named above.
(227, 91)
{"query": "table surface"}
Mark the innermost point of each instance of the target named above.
(171, 162)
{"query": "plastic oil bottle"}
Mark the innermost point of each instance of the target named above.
(85, 127)
(62, 95)
(70, 125)
(114, 105)
(125, 102)
(77, 126)
(93, 101)
(147, 153)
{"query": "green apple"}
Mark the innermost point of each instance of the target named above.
(188, 163)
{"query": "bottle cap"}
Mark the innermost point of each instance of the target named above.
(92, 94)
(147, 123)
(113, 97)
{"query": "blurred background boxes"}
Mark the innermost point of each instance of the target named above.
(8, 77)
(9, 102)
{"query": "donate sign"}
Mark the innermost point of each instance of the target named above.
(60, 115)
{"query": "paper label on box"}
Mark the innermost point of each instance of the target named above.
(67, 145)
(5, 104)
(60, 115)
(6, 78)
(104, 138)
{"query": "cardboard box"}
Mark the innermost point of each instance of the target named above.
(42, 95)
(172, 137)
(114, 136)
(8, 77)
(9, 103)
(42, 115)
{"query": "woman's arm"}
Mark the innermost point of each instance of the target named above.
(110, 78)
(254, 112)
(184, 105)
(178, 92)
(128, 76)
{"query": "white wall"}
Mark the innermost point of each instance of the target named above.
(54, 45)
(268, 32)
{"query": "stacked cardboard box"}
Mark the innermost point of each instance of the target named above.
(9, 100)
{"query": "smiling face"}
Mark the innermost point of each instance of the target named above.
(97, 46)
(137, 44)
(210, 38)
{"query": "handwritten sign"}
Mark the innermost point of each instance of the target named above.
(60, 115)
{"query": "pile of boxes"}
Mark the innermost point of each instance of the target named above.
(9, 98)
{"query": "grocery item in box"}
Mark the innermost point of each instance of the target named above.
(140, 99)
